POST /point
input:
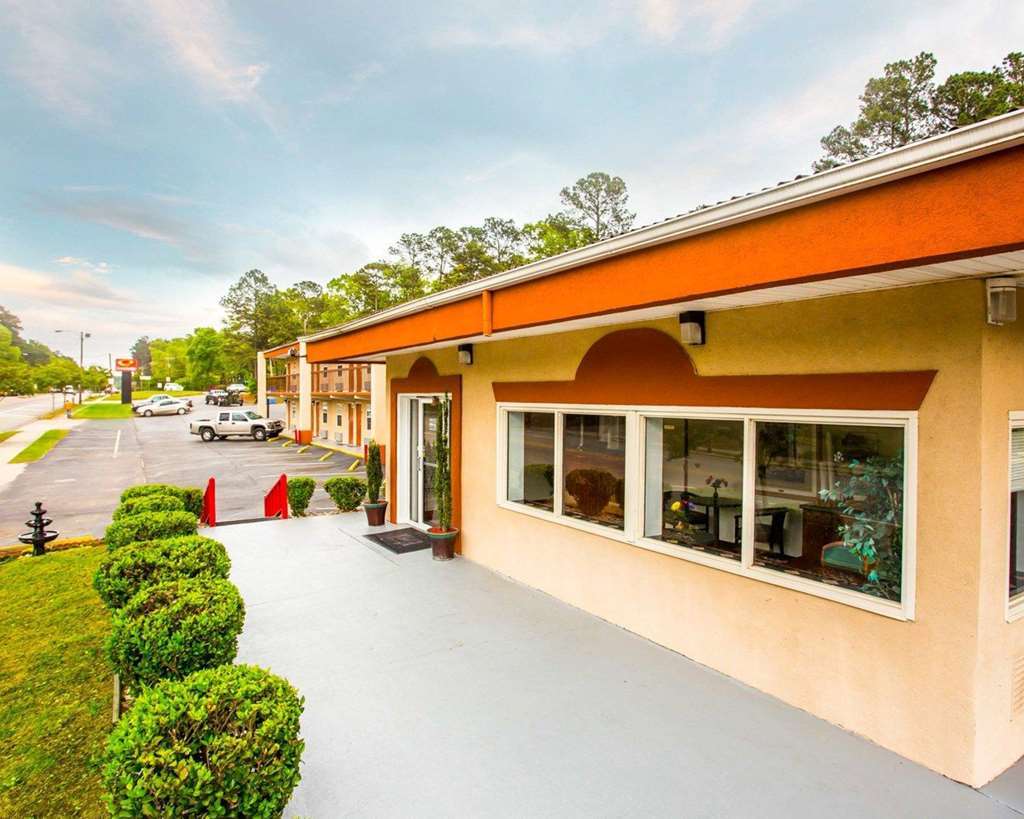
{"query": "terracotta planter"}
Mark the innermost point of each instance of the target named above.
(442, 543)
(375, 513)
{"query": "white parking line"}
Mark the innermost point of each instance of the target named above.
(117, 443)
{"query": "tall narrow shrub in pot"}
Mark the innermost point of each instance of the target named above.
(442, 536)
(374, 506)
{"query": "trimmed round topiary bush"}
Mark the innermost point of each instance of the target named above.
(168, 630)
(222, 742)
(300, 490)
(191, 496)
(149, 526)
(125, 571)
(347, 493)
(149, 503)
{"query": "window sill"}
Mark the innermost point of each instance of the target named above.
(572, 523)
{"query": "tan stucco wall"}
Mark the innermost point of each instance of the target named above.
(913, 687)
(1000, 733)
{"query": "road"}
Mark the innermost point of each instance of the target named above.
(81, 479)
(16, 410)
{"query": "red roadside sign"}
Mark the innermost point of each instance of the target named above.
(128, 365)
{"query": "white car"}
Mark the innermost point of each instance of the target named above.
(236, 388)
(166, 406)
(170, 386)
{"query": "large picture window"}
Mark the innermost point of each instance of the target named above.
(594, 465)
(828, 504)
(531, 459)
(693, 486)
(821, 503)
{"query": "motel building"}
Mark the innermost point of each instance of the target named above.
(329, 402)
(782, 436)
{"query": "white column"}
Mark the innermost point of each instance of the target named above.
(261, 383)
(304, 423)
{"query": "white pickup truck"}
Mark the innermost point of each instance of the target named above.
(236, 422)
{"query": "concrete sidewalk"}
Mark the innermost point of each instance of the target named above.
(24, 436)
(444, 689)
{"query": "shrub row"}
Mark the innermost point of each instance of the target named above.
(203, 737)
(168, 630)
(149, 526)
(190, 496)
(124, 572)
(346, 492)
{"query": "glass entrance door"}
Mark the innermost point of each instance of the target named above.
(421, 440)
(429, 414)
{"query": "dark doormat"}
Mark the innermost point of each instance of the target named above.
(402, 541)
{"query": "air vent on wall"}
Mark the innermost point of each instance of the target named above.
(1017, 687)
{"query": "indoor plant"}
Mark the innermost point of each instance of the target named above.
(374, 506)
(442, 537)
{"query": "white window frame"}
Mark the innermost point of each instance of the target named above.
(632, 533)
(1014, 605)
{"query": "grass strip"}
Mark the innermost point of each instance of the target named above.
(39, 447)
(54, 685)
(103, 410)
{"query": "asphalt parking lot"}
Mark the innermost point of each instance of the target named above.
(81, 479)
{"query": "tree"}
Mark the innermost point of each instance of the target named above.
(15, 375)
(904, 105)
(598, 202)
(57, 374)
(95, 378)
(377, 286)
(204, 354)
(305, 303)
(140, 352)
(970, 96)
(255, 311)
(169, 359)
(554, 234)
(503, 242)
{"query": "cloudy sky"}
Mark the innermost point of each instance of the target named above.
(153, 150)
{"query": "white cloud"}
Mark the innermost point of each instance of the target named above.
(71, 54)
(47, 51)
(200, 39)
(701, 25)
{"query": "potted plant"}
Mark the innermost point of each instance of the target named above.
(442, 537)
(374, 506)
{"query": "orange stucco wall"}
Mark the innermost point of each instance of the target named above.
(934, 689)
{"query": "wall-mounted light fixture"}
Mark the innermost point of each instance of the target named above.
(1002, 299)
(465, 353)
(691, 327)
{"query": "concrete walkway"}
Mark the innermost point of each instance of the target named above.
(444, 689)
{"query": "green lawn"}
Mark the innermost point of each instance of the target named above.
(55, 688)
(103, 410)
(39, 447)
(6, 434)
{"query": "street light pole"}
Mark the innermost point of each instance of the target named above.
(82, 336)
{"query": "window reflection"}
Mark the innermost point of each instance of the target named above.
(694, 483)
(531, 459)
(829, 504)
(594, 465)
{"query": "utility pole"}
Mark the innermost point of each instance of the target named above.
(82, 336)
